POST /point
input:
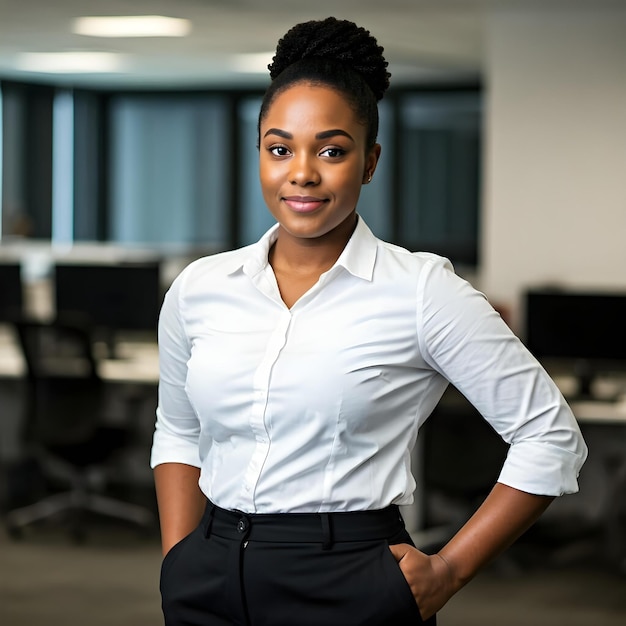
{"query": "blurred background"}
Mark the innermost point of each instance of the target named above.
(128, 150)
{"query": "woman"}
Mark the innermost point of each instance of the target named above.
(296, 372)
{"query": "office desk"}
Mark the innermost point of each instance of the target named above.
(11, 361)
(591, 412)
(136, 361)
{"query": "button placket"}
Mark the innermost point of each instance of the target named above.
(261, 383)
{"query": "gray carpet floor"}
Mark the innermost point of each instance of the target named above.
(112, 579)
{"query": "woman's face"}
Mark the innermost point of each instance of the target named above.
(313, 160)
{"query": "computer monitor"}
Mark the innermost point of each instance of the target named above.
(111, 298)
(584, 330)
(11, 293)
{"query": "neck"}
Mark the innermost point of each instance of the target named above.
(310, 256)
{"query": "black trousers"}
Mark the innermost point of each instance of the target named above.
(296, 569)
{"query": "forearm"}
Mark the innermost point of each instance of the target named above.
(180, 501)
(504, 515)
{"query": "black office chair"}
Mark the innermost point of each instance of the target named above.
(64, 400)
(12, 297)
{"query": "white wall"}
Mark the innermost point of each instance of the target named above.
(555, 187)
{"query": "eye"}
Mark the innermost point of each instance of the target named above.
(279, 151)
(333, 153)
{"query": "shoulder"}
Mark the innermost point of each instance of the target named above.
(210, 268)
(414, 262)
(432, 276)
(201, 278)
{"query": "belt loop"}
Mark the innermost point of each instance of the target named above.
(327, 532)
(209, 519)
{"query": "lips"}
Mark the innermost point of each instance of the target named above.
(303, 204)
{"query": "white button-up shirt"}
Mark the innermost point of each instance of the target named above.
(317, 407)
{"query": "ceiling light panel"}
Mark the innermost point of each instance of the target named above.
(70, 62)
(132, 26)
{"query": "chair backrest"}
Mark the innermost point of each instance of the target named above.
(64, 390)
(11, 291)
(57, 349)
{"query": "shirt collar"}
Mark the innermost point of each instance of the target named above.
(358, 257)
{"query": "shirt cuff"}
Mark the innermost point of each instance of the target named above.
(168, 448)
(542, 469)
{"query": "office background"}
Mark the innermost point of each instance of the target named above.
(551, 204)
(524, 104)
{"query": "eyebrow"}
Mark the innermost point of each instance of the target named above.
(325, 134)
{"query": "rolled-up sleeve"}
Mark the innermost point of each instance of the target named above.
(466, 340)
(177, 431)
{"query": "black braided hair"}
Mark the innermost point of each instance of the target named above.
(338, 54)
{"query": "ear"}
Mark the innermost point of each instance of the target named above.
(371, 162)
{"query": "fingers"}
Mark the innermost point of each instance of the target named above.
(426, 575)
(399, 550)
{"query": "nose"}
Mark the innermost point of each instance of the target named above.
(303, 172)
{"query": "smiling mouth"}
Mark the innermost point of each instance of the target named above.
(303, 204)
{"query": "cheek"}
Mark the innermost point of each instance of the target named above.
(349, 183)
(271, 183)
(270, 177)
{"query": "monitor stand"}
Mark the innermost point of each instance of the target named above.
(585, 375)
(108, 337)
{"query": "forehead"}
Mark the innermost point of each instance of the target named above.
(306, 105)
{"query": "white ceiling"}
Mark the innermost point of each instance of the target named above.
(429, 39)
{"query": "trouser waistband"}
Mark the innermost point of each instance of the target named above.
(325, 528)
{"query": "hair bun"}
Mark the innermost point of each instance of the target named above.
(338, 40)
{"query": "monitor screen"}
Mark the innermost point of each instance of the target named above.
(11, 295)
(586, 328)
(125, 296)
